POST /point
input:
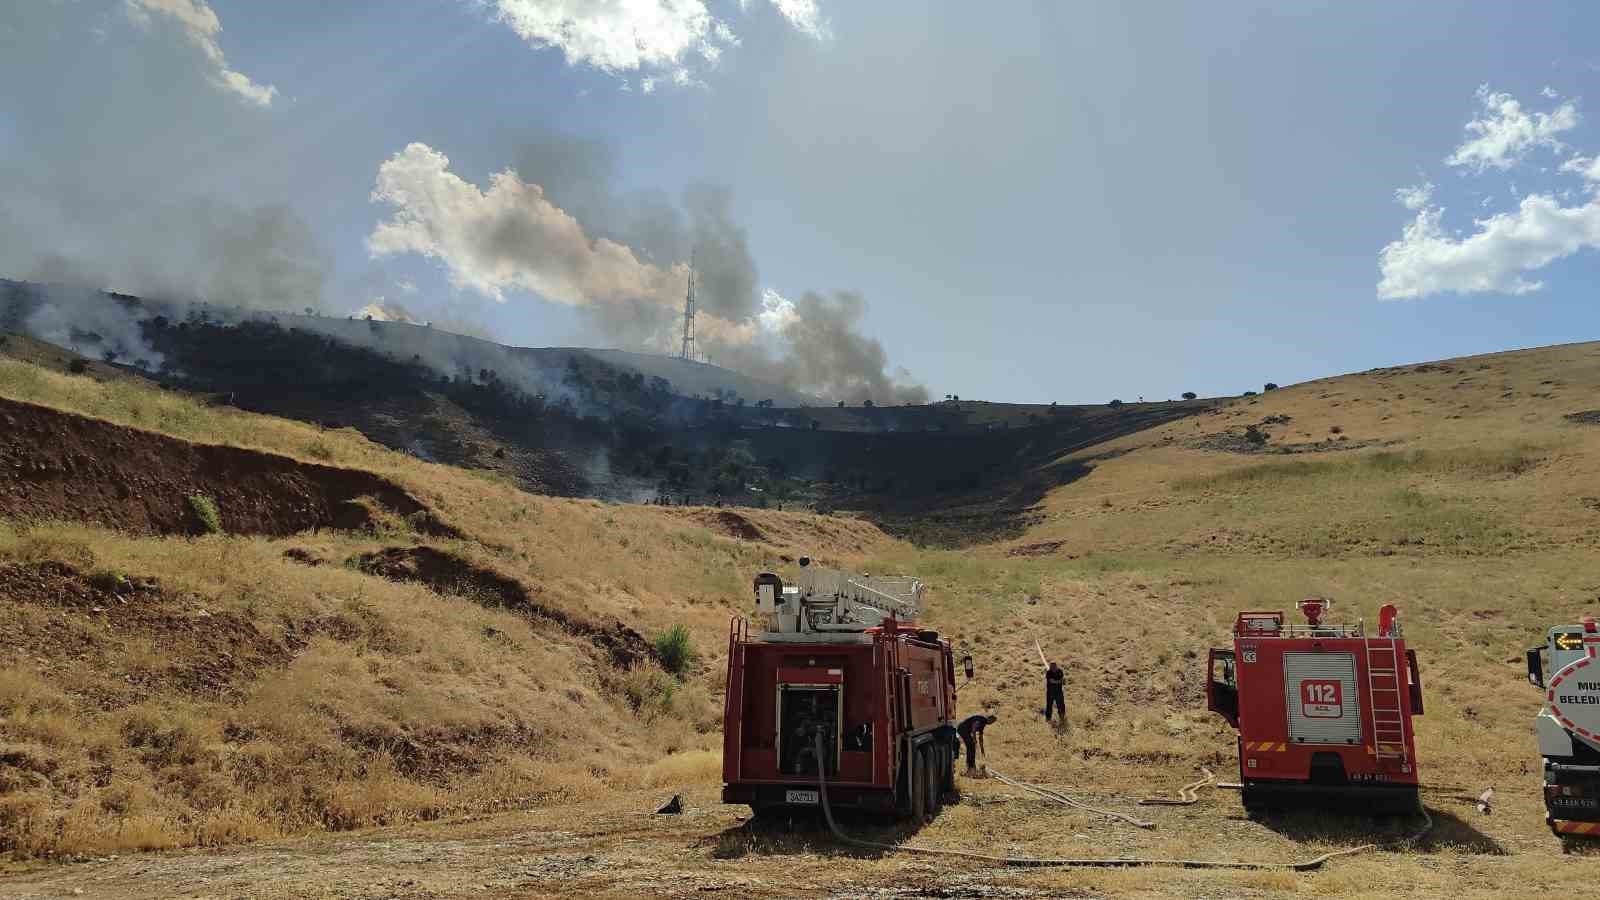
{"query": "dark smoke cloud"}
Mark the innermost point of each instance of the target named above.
(133, 173)
(821, 346)
(579, 176)
(813, 345)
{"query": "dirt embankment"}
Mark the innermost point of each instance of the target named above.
(63, 617)
(450, 574)
(55, 465)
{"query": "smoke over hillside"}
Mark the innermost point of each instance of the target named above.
(554, 225)
(135, 174)
(146, 174)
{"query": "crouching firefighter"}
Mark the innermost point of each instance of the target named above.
(971, 733)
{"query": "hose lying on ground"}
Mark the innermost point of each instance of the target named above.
(1068, 801)
(1188, 795)
(1116, 862)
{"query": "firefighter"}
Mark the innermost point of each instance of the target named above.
(1055, 691)
(971, 733)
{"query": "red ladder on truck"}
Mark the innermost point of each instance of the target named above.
(1383, 697)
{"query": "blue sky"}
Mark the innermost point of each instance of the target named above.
(1035, 202)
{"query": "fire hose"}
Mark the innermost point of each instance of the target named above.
(1062, 862)
(1188, 795)
(1068, 801)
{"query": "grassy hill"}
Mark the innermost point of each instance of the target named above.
(164, 690)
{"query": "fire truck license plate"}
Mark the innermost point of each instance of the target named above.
(1322, 698)
(800, 796)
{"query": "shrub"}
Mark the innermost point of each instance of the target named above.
(1189, 395)
(78, 366)
(1269, 386)
(1335, 429)
(1255, 435)
(1114, 404)
(648, 691)
(205, 510)
(675, 649)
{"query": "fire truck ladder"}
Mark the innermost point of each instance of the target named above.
(1383, 698)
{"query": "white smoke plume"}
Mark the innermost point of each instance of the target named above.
(115, 174)
(553, 226)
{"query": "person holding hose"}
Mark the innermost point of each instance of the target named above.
(1055, 688)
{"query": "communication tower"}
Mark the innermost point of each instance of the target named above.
(688, 351)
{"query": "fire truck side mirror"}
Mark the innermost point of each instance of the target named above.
(1535, 668)
(966, 665)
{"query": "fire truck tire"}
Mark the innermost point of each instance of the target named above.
(1254, 806)
(931, 794)
(947, 769)
(918, 783)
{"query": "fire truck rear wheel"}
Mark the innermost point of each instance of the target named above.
(917, 785)
(932, 793)
(1254, 807)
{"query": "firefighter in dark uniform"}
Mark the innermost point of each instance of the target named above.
(1055, 691)
(971, 733)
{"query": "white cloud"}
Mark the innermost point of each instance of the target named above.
(508, 237)
(201, 26)
(1587, 167)
(1505, 133)
(381, 310)
(644, 36)
(1550, 92)
(804, 16)
(1426, 261)
(777, 312)
(1416, 196)
(616, 35)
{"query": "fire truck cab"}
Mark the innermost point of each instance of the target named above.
(1323, 711)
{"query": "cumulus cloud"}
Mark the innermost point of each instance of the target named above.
(509, 236)
(1416, 196)
(660, 38)
(804, 16)
(201, 26)
(625, 265)
(381, 310)
(1426, 260)
(615, 35)
(1505, 132)
(1586, 167)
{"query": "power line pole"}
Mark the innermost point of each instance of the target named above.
(688, 315)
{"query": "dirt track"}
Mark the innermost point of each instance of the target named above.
(616, 848)
(55, 465)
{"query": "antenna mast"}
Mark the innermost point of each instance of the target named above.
(688, 315)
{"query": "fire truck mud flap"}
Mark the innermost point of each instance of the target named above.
(1377, 799)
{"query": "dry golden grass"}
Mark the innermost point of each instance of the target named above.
(1481, 528)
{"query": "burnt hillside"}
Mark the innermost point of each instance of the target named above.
(590, 428)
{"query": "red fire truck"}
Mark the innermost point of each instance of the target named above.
(838, 655)
(1323, 711)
